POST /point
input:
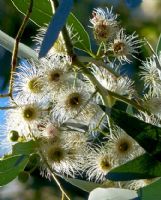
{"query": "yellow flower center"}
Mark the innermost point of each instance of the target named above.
(55, 154)
(74, 100)
(55, 75)
(29, 113)
(35, 85)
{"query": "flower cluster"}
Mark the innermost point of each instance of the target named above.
(57, 105)
(107, 31)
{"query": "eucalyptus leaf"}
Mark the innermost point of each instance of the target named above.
(142, 167)
(112, 194)
(144, 133)
(41, 12)
(151, 191)
(158, 49)
(57, 22)
(83, 185)
(84, 41)
(10, 168)
(24, 148)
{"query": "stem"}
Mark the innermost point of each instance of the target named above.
(53, 175)
(99, 63)
(8, 107)
(91, 77)
(48, 166)
(128, 101)
(15, 49)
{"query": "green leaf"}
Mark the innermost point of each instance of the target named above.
(24, 148)
(10, 168)
(158, 49)
(143, 167)
(151, 191)
(84, 43)
(83, 185)
(41, 12)
(143, 133)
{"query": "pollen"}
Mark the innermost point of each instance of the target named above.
(124, 146)
(30, 113)
(120, 48)
(105, 164)
(54, 75)
(35, 85)
(55, 154)
(102, 31)
(74, 100)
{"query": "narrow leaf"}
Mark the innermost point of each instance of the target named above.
(10, 168)
(151, 191)
(83, 185)
(24, 148)
(55, 26)
(41, 13)
(84, 41)
(158, 49)
(143, 167)
(144, 133)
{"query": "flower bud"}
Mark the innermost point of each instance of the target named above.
(14, 136)
(23, 177)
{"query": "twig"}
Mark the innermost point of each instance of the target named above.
(128, 101)
(15, 49)
(8, 107)
(99, 63)
(4, 95)
(48, 166)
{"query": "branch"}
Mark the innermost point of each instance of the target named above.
(8, 107)
(99, 63)
(15, 49)
(24, 51)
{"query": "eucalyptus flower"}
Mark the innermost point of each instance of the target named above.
(124, 46)
(104, 24)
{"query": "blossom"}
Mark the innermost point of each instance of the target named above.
(74, 103)
(62, 158)
(28, 82)
(124, 46)
(121, 85)
(99, 162)
(56, 73)
(151, 75)
(104, 24)
(122, 146)
(153, 104)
